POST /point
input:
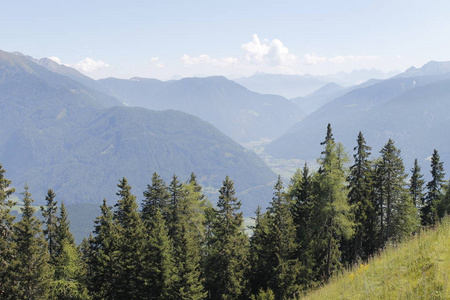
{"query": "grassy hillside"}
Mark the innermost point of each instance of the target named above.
(416, 269)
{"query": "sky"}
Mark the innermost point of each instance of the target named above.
(171, 39)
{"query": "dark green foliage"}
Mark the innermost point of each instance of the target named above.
(416, 183)
(102, 257)
(160, 272)
(301, 195)
(429, 215)
(69, 275)
(397, 213)
(360, 199)
(131, 239)
(51, 223)
(332, 221)
(7, 242)
(285, 269)
(228, 249)
(156, 198)
(33, 273)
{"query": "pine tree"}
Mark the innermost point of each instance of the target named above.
(69, 273)
(398, 216)
(130, 283)
(33, 273)
(434, 188)
(360, 199)
(50, 220)
(228, 253)
(7, 241)
(416, 185)
(102, 258)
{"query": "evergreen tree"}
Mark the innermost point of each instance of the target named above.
(102, 257)
(69, 272)
(443, 207)
(156, 197)
(360, 199)
(398, 216)
(50, 221)
(228, 253)
(282, 247)
(416, 185)
(301, 196)
(33, 273)
(130, 283)
(260, 255)
(331, 212)
(7, 241)
(187, 233)
(160, 272)
(434, 188)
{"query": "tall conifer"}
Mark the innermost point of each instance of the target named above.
(33, 272)
(7, 241)
(434, 190)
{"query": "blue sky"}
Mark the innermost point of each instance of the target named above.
(163, 39)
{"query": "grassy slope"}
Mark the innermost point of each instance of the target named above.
(416, 269)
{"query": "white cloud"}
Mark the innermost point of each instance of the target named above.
(272, 53)
(206, 59)
(341, 59)
(89, 65)
(55, 59)
(154, 59)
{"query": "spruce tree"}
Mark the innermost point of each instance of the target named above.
(398, 215)
(416, 183)
(300, 194)
(159, 271)
(282, 247)
(69, 272)
(228, 249)
(360, 199)
(50, 221)
(260, 255)
(434, 188)
(7, 240)
(33, 273)
(102, 258)
(130, 283)
(156, 197)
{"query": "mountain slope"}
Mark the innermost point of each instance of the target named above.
(416, 269)
(241, 114)
(57, 135)
(288, 86)
(398, 108)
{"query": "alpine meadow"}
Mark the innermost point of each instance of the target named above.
(224, 150)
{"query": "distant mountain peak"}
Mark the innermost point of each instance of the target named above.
(431, 68)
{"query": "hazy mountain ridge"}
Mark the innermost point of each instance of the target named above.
(411, 110)
(56, 134)
(241, 114)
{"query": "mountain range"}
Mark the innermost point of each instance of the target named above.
(58, 133)
(410, 108)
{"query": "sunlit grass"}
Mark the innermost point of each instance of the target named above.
(416, 269)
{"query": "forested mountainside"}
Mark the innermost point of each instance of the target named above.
(174, 244)
(57, 133)
(410, 110)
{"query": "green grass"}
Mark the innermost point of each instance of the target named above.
(416, 269)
